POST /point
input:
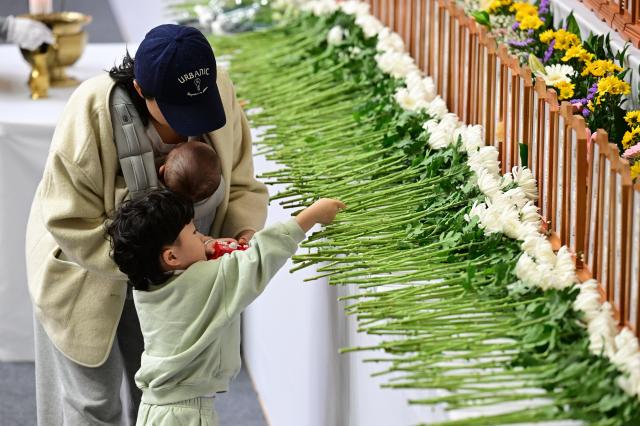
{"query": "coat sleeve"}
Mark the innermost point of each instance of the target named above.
(73, 189)
(245, 274)
(248, 197)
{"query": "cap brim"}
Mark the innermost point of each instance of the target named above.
(195, 118)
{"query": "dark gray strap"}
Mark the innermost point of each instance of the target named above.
(4, 28)
(135, 151)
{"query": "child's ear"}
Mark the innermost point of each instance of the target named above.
(169, 258)
(161, 173)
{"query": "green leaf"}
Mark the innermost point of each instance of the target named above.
(535, 65)
(572, 26)
(482, 18)
(524, 154)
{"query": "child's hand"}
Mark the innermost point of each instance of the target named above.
(322, 211)
(209, 244)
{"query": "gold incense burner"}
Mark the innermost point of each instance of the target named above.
(48, 65)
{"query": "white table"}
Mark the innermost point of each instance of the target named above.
(26, 128)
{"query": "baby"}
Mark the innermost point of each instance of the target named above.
(193, 171)
(189, 308)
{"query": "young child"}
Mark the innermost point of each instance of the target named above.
(189, 308)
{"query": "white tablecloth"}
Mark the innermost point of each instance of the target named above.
(26, 128)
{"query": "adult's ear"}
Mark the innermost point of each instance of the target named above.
(169, 259)
(137, 87)
(161, 172)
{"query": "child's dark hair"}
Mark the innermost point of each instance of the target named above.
(123, 75)
(141, 228)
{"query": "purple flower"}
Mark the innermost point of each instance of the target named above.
(530, 33)
(521, 43)
(549, 52)
(592, 91)
(515, 25)
(586, 113)
(543, 7)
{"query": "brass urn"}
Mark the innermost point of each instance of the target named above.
(70, 41)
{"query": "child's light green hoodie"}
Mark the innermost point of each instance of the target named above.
(191, 324)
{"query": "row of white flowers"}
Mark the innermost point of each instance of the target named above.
(511, 212)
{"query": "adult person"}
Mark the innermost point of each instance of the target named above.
(26, 33)
(87, 333)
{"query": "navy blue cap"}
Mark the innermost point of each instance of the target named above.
(175, 65)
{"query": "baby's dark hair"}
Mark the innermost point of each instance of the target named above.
(141, 228)
(193, 170)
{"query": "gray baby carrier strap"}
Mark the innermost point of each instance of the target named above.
(134, 147)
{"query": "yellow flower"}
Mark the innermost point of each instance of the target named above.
(600, 67)
(590, 105)
(523, 10)
(566, 89)
(565, 40)
(497, 4)
(547, 36)
(612, 85)
(577, 52)
(531, 23)
(635, 170)
(629, 136)
(632, 118)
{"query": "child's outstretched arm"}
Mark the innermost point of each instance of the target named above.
(246, 273)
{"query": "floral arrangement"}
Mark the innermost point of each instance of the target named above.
(468, 296)
(585, 72)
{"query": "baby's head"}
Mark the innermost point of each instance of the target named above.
(153, 235)
(192, 170)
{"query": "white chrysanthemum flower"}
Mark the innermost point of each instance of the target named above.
(370, 25)
(437, 107)
(506, 180)
(389, 41)
(357, 8)
(395, 63)
(565, 268)
(354, 51)
(546, 278)
(335, 35)
(602, 331)
(588, 300)
(523, 177)
(488, 184)
(538, 247)
(473, 138)
(517, 197)
(407, 101)
(413, 80)
(449, 122)
(526, 269)
(529, 214)
(485, 157)
(439, 138)
(320, 7)
(527, 230)
(430, 88)
(627, 359)
(511, 225)
(478, 210)
(554, 74)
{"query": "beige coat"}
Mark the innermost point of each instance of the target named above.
(76, 288)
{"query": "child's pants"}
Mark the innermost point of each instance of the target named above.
(190, 412)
